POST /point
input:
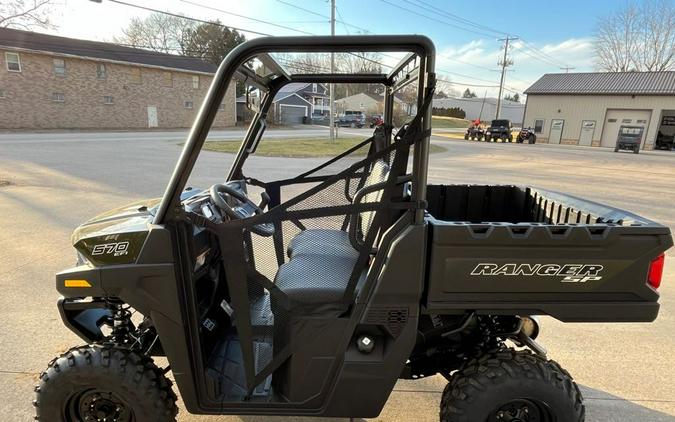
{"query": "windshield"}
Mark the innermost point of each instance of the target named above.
(500, 123)
(631, 131)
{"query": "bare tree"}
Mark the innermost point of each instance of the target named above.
(158, 32)
(637, 38)
(25, 14)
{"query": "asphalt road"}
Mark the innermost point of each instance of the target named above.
(56, 181)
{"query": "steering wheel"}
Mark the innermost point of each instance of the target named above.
(244, 208)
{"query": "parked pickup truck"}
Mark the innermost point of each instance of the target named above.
(340, 280)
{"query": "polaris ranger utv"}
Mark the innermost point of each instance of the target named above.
(499, 129)
(341, 280)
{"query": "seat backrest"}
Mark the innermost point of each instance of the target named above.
(378, 174)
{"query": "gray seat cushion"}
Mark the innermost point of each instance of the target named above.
(317, 283)
(322, 242)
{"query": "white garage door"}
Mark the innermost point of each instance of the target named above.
(617, 118)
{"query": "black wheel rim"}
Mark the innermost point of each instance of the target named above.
(521, 410)
(94, 405)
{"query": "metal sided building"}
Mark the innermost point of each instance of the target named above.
(590, 108)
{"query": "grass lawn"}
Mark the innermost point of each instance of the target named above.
(297, 147)
(439, 122)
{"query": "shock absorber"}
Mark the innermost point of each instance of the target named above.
(122, 327)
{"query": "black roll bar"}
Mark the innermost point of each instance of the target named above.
(418, 44)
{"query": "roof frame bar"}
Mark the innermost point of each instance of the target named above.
(366, 78)
(269, 62)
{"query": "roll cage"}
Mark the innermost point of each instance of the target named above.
(416, 66)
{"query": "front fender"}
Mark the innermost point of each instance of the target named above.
(81, 281)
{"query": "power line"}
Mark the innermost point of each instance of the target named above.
(150, 9)
(215, 9)
(431, 8)
(342, 21)
(434, 19)
(536, 53)
(293, 29)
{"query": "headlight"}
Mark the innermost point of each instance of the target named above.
(82, 260)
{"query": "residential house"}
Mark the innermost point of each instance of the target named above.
(50, 82)
(296, 101)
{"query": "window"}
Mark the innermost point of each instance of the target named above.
(107, 99)
(626, 120)
(188, 104)
(135, 76)
(195, 82)
(101, 71)
(313, 87)
(58, 97)
(611, 121)
(539, 126)
(643, 122)
(13, 62)
(59, 67)
(167, 79)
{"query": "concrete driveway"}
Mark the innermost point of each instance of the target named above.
(58, 180)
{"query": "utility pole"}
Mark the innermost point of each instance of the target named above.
(504, 63)
(331, 119)
(480, 115)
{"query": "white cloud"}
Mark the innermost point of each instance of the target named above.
(475, 62)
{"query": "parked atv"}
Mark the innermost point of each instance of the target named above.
(526, 135)
(474, 133)
(629, 138)
(341, 280)
(499, 129)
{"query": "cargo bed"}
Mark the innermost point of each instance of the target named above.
(521, 250)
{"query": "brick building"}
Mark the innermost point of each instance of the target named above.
(50, 82)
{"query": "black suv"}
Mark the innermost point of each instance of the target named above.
(499, 129)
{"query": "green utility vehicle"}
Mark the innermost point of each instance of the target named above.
(316, 299)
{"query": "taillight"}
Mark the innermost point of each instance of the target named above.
(656, 271)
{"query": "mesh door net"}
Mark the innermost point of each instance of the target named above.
(318, 257)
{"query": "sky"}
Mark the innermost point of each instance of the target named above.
(552, 35)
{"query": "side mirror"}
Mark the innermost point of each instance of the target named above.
(253, 99)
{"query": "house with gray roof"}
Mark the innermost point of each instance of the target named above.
(589, 109)
(296, 101)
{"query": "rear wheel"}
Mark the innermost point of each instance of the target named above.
(99, 383)
(511, 386)
(466, 137)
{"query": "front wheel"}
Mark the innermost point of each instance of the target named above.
(99, 383)
(509, 385)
